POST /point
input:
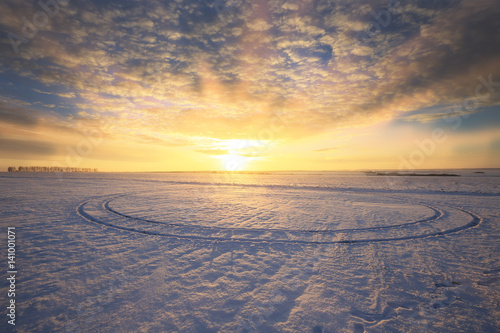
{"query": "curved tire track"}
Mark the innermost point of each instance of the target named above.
(437, 215)
(112, 219)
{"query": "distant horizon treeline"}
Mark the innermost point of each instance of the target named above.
(49, 169)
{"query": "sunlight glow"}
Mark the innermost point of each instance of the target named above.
(240, 153)
(233, 162)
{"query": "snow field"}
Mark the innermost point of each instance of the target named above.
(253, 257)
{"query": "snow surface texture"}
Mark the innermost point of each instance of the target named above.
(281, 252)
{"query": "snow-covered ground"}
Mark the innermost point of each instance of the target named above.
(278, 252)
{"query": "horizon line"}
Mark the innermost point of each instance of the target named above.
(271, 171)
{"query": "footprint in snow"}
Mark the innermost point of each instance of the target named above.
(359, 328)
(317, 329)
(490, 280)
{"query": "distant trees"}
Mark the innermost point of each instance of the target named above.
(49, 169)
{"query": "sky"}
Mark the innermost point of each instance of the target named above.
(250, 85)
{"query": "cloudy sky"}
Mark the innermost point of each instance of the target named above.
(250, 85)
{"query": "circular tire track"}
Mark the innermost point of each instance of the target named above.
(445, 220)
(437, 214)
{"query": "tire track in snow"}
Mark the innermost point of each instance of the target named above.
(262, 235)
(437, 215)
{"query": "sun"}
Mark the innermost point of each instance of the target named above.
(238, 154)
(233, 162)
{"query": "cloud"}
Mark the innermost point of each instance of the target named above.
(427, 118)
(12, 148)
(163, 73)
(17, 116)
(326, 149)
(213, 151)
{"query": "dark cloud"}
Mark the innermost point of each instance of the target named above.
(12, 148)
(25, 118)
(495, 145)
(450, 61)
(17, 116)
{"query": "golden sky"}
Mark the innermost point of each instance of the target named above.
(250, 85)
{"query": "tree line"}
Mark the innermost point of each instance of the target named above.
(49, 169)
